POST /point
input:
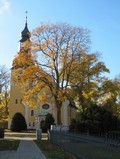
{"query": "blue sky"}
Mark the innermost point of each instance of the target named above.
(101, 17)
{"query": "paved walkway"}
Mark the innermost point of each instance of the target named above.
(27, 150)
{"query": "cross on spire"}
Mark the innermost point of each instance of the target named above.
(26, 15)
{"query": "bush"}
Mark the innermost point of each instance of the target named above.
(49, 120)
(46, 124)
(95, 119)
(18, 123)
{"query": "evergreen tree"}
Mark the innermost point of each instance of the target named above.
(49, 120)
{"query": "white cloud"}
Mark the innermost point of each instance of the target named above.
(4, 6)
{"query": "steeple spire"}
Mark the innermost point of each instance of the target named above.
(26, 15)
(25, 34)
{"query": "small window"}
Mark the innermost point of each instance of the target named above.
(32, 112)
(16, 101)
(20, 101)
(29, 124)
(33, 124)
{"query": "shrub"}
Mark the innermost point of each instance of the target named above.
(49, 120)
(18, 123)
(95, 119)
(46, 124)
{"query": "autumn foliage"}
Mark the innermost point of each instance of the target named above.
(57, 66)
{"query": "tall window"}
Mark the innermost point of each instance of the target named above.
(32, 112)
(16, 101)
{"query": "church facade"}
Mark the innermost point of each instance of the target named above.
(34, 116)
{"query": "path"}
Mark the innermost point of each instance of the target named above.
(26, 150)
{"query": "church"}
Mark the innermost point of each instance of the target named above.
(34, 116)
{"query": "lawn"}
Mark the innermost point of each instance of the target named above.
(6, 145)
(52, 151)
(93, 150)
(81, 149)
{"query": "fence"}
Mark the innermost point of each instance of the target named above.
(64, 139)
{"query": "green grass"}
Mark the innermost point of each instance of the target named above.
(93, 150)
(81, 149)
(52, 151)
(6, 145)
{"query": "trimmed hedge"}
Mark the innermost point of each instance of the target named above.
(18, 123)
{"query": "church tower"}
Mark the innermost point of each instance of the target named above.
(16, 95)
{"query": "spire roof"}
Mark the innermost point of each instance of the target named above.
(25, 34)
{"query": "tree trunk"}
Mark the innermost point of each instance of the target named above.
(58, 105)
(59, 115)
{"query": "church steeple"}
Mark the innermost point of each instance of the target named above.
(25, 34)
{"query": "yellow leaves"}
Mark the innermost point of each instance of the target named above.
(23, 60)
(40, 93)
(32, 80)
(42, 98)
(29, 74)
(3, 113)
(34, 99)
(63, 94)
(88, 95)
(108, 97)
(88, 67)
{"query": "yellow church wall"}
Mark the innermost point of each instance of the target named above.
(15, 103)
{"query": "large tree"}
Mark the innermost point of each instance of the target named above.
(54, 50)
(87, 78)
(110, 94)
